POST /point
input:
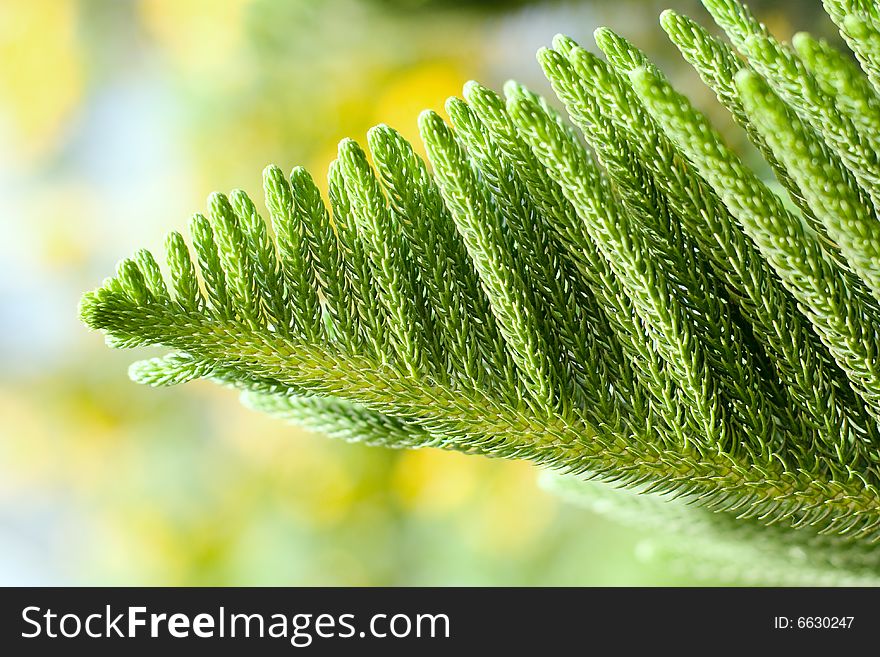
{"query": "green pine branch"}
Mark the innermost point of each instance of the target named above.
(619, 297)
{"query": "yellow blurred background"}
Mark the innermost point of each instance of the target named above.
(117, 119)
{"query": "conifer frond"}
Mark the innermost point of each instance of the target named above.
(728, 548)
(644, 310)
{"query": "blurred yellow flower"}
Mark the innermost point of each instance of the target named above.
(432, 482)
(403, 97)
(199, 35)
(41, 78)
(505, 511)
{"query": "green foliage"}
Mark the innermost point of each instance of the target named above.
(640, 309)
(730, 548)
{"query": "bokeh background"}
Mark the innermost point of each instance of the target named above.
(117, 118)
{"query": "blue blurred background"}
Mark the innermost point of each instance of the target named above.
(117, 118)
